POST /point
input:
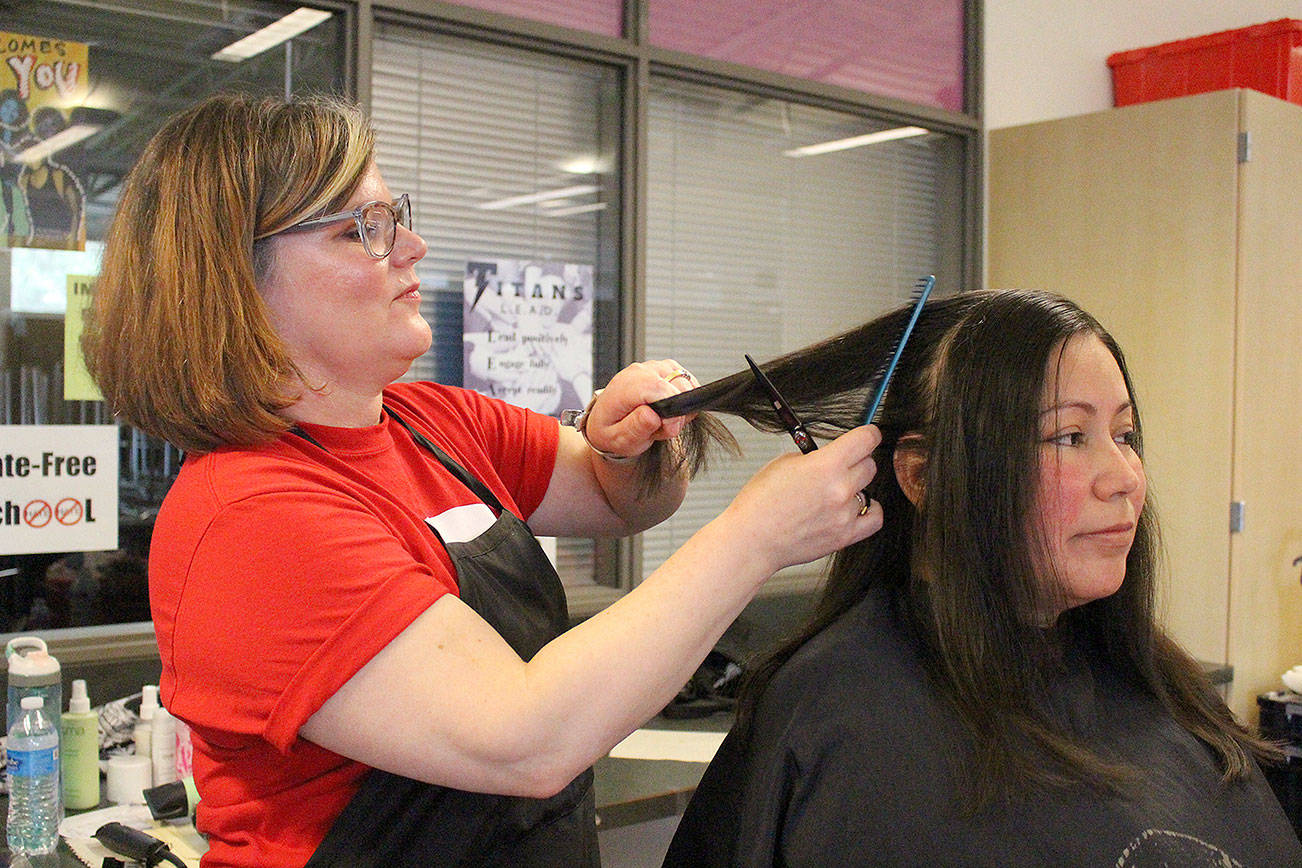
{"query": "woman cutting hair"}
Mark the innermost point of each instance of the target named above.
(353, 614)
(984, 682)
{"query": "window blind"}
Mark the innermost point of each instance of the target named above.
(461, 124)
(752, 251)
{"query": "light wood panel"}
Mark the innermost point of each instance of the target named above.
(1133, 214)
(1265, 636)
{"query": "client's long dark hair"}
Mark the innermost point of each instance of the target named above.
(966, 394)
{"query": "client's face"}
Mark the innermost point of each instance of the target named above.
(1092, 483)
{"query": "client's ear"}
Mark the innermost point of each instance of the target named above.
(910, 464)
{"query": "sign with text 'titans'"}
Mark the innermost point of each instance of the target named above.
(528, 332)
(58, 488)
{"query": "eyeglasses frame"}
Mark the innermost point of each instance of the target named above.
(399, 208)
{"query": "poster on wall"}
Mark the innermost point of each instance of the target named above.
(77, 384)
(528, 332)
(43, 82)
(60, 489)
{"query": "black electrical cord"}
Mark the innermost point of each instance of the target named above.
(137, 845)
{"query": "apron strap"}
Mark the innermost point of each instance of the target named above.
(298, 431)
(482, 491)
(465, 477)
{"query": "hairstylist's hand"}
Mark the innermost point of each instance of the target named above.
(621, 423)
(801, 507)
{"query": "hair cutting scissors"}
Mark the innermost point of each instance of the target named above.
(804, 441)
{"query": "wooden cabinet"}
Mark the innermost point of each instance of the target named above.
(1178, 224)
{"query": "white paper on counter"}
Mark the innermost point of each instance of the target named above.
(668, 744)
(78, 830)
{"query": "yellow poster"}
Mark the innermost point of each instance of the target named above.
(77, 384)
(43, 84)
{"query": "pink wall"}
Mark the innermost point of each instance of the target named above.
(912, 50)
(908, 49)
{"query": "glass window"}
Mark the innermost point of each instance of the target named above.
(755, 246)
(139, 61)
(909, 49)
(510, 157)
(596, 16)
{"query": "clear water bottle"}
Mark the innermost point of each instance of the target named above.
(33, 773)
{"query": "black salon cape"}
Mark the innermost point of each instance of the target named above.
(852, 761)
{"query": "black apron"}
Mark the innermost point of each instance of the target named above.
(505, 577)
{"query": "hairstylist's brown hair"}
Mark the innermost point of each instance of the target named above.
(178, 338)
(962, 567)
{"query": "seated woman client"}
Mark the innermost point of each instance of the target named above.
(984, 682)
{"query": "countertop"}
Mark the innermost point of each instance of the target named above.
(635, 790)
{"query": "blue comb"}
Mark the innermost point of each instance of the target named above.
(921, 290)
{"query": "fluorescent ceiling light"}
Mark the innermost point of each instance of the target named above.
(56, 142)
(584, 166)
(856, 141)
(276, 32)
(545, 195)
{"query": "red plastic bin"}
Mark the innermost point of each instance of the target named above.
(1265, 57)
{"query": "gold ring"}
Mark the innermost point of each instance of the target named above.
(678, 373)
(863, 503)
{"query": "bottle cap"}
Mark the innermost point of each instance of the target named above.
(29, 702)
(32, 665)
(18, 643)
(148, 701)
(79, 702)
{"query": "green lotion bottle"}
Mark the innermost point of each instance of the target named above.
(79, 749)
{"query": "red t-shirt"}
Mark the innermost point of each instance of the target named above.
(277, 572)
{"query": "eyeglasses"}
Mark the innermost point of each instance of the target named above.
(377, 223)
